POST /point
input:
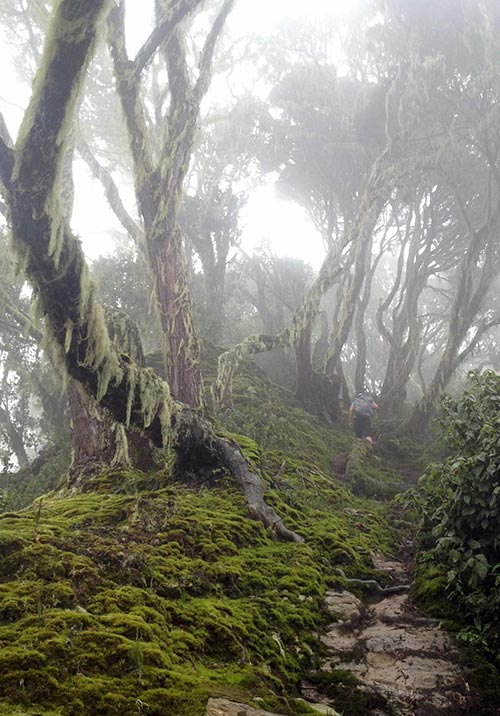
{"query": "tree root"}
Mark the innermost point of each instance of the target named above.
(199, 447)
(373, 586)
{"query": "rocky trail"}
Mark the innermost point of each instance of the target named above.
(405, 663)
(382, 658)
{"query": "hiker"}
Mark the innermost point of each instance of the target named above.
(360, 414)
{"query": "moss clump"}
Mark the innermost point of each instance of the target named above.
(430, 589)
(366, 476)
(266, 413)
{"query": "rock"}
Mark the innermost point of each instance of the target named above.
(391, 608)
(343, 605)
(321, 708)
(406, 640)
(395, 653)
(224, 707)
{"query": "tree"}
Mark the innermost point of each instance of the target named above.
(159, 174)
(224, 160)
(54, 263)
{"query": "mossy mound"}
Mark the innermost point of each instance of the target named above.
(268, 414)
(140, 594)
(367, 476)
(143, 595)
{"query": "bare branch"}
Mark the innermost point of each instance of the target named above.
(163, 32)
(206, 59)
(110, 190)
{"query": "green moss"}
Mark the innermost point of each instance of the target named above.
(366, 476)
(430, 590)
(265, 413)
(170, 593)
(140, 594)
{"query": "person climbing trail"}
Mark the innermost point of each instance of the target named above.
(360, 414)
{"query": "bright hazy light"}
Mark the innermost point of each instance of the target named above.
(266, 218)
(247, 17)
(258, 15)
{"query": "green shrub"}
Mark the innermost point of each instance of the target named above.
(459, 500)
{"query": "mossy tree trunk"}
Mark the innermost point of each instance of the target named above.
(362, 244)
(416, 262)
(315, 391)
(360, 316)
(53, 260)
(98, 440)
(474, 279)
(159, 180)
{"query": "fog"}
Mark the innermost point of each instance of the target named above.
(325, 174)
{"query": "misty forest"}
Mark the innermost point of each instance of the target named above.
(249, 343)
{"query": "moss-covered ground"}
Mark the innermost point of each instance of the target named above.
(145, 595)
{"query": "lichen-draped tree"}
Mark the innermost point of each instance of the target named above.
(457, 95)
(159, 179)
(350, 250)
(98, 440)
(53, 260)
(425, 246)
(362, 304)
(480, 265)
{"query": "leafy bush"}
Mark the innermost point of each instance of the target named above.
(460, 501)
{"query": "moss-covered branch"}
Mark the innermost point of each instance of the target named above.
(128, 87)
(176, 13)
(206, 59)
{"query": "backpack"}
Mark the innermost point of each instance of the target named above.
(363, 405)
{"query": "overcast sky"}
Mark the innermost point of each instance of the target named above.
(266, 217)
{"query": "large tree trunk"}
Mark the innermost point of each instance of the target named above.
(53, 261)
(98, 439)
(214, 282)
(350, 298)
(426, 407)
(180, 346)
(316, 392)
